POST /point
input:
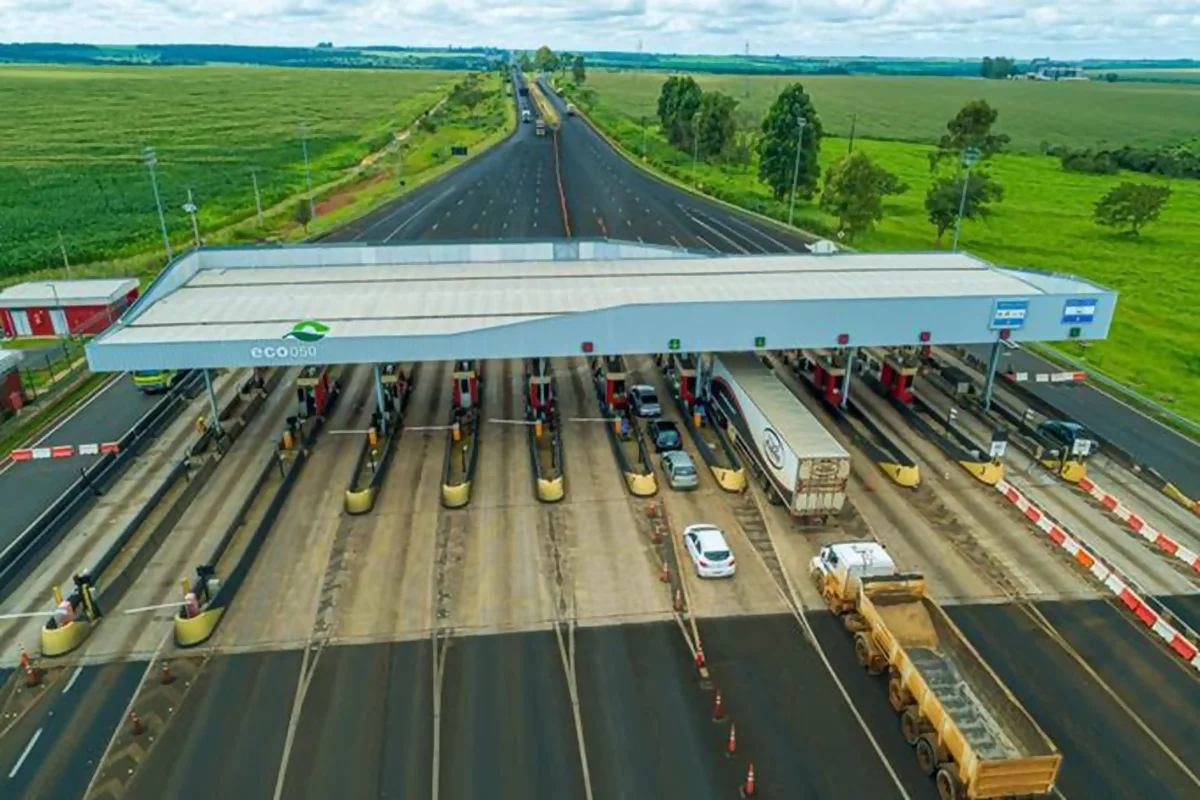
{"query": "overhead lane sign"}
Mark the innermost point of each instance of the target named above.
(1079, 311)
(1009, 314)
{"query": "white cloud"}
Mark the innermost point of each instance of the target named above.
(1022, 28)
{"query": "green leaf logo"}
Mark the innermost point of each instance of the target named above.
(308, 331)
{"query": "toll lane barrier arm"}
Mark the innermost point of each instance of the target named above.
(1140, 526)
(1177, 636)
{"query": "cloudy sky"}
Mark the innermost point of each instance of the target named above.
(1021, 28)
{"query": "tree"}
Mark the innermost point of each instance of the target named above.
(303, 213)
(1111, 77)
(997, 68)
(943, 198)
(545, 60)
(854, 190)
(678, 103)
(716, 127)
(970, 127)
(1131, 205)
(777, 146)
(525, 63)
(579, 70)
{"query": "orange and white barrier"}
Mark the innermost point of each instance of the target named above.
(1140, 526)
(64, 451)
(1124, 589)
(1044, 377)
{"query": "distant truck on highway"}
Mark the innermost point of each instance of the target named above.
(968, 731)
(570, 109)
(524, 91)
(153, 381)
(525, 115)
(540, 127)
(796, 460)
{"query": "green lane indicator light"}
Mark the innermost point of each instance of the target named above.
(673, 344)
(760, 343)
(1075, 333)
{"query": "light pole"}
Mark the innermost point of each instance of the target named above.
(190, 208)
(801, 121)
(62, 246)
(969, 157)
(695, 143)
(312, 209)
(257, 196)
(151, 159)
(57, 307)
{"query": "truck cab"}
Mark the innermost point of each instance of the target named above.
(525, 115)
(570, 109)
(839, 569)
(541, 127)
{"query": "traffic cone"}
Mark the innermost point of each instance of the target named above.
(665, 576)
(24, 659)
(718, 708)
(135, 723)
(652, 511)
(699, 658)
(749, 789)
(31, 676)
(731, 747)
(678, 600)
(167, 677)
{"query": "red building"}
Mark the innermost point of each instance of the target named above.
(11, 397)
(57, 308)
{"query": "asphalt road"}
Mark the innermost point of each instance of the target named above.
(29, 487)
(1175, 457)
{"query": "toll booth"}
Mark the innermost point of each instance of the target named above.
(829, 373)
(897, 372)
(313, 390)
(685, 367)
(393, 379)
(541, 385)
(610, 372)
(466, 384)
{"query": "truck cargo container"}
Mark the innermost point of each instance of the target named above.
(968, 731)
(794, 457)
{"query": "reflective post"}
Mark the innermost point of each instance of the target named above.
(991, 375)
(212, 399)
(379, 400)
(846, 377)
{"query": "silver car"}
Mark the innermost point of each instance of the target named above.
(680, 470)
(644, 401)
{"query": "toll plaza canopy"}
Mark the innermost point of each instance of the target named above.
(350, 303)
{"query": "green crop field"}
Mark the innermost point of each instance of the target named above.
(915, 109)
(1044, 222)
(70, 147)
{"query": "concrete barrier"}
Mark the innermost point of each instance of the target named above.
(550, 491)
(641, 484)
(731, 480)
(63, 639)
(989, 473)
(192, 631)
(457, 495)
(359, 502)
(906, 475)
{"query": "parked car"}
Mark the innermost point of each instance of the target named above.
(665, 435)
(644, 401)
(681, 472)
(1064, 433)
(709, 551)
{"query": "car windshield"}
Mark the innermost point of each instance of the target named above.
(670, 437)
(716, 555)
(649, 397)
(685, 470)
(147, 373)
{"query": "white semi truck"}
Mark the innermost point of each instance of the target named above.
(794, 457)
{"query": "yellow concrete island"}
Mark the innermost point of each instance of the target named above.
(550, 491)
(641, 485)
(987, 472)
(63, 639)
(456, 496)
(360, 501)
(731, 480)
(906, 476)
(191, 631)
(1069, 471)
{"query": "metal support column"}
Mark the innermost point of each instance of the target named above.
(846, 378)
(212, 401)
(541, 371)
(379, 401)
(993, 362)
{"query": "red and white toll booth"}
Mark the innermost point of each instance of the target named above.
(610, 370)
(466, 384)
(686, 369)
(897, 373)
(540, 385)
(313, 390)
(829, 373)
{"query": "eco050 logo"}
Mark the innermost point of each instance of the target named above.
(773, 448)
(309, 332)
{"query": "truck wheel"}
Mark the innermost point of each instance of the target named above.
(926, 755)
(862, 651)
(948, 785)
(899, 697)
(911, 726)
(854, 623)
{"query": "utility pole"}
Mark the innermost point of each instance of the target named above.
(312, 208)
(853, 123)
(190, 208)
(801, 121)
(62, 247)
(151, 160)
(257, 196)
(695, 143)
(969, 157)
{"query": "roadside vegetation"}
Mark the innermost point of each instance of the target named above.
(1133, 232)
(71, 162)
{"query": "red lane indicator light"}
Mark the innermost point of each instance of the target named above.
(588, 347)
(843, 338)
(924, 336)
(1005, 333)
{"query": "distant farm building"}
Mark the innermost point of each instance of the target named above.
(59, 308)
(1043, 70)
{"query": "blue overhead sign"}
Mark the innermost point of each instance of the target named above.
(1009, 313)
(1079, 310)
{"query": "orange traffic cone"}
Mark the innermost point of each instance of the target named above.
(24, 659)
(135, 722)
(31, 676)
(665, 576)
(678, 600)
(167, 677)
(718, 708)
(652, 511)
(731, 748)
(699, 658)
(749, 789)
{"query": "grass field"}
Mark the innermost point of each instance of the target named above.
(1044, 222)
(70, 150)
(916, 109)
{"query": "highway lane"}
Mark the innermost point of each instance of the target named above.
(28, 488)
(1171, 454)
(52, 751)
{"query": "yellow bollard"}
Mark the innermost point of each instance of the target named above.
(617, 426)
(696, 418)
(373, 437)
(287, 440)
(200, 424)
(58, 595)
(537, 428)
(456, 431)
(186, 584)
(86, 591)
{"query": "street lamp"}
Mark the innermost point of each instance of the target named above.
(695, 141)
(969, 157)
(151, 160)
(312, 209)
(190, 208)
(801, 121)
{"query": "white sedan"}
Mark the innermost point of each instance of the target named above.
(709, 551)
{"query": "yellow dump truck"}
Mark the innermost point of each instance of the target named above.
(968, 731)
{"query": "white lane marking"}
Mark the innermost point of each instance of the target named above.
(25, 754)
(74, 677)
